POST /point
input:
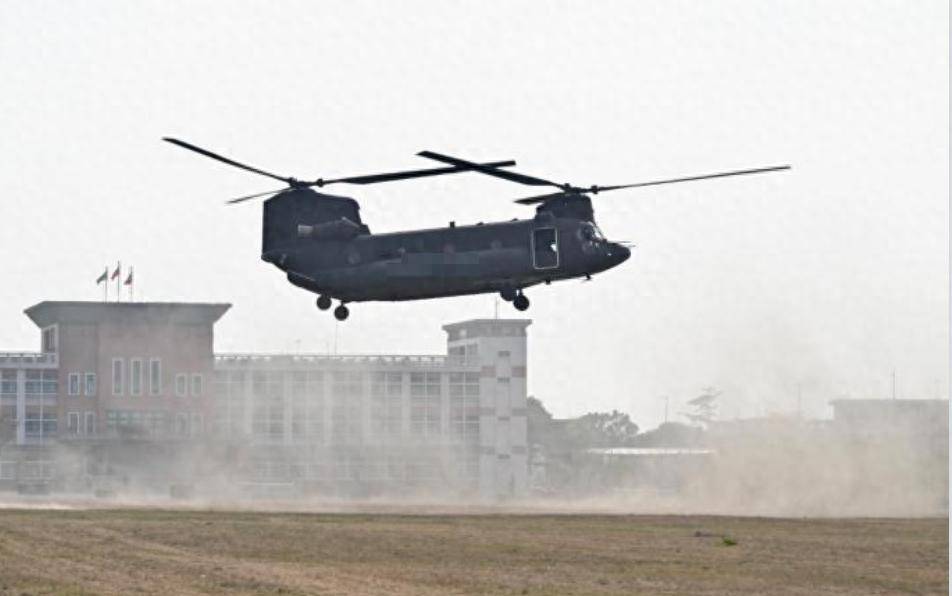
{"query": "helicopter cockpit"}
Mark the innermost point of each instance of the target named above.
(590, 236)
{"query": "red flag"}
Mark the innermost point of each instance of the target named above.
(115, 273)
(128, 281)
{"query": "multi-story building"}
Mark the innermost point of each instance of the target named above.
(134, 389)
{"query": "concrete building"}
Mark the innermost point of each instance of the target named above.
(125, 388)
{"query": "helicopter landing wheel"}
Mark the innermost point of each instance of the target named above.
(520, 302)
(508, 294)
(323, 302)
(341, 312)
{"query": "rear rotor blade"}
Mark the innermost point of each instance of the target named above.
(222, 159)
(483, 169)
(391, 176)
(255, 196)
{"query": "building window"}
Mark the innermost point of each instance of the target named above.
(230, 402)
(198, 425)
(346, 412)
(267, 414)
(72, 423)
(425, 403)
(73, 386)
(307, 405)
(135, 376)
(117, 376)
(40, 424)
(181, 424)
(464, 406)
(8, 382)
(90, 423)
(155, 376)
(90, 383)
(41, 382)
(49, 340)
(197, 384)
(181, 385)
(386, 394)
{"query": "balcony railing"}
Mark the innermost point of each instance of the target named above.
(28, 360)
(362, 360)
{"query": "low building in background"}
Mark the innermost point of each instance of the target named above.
(132, 396)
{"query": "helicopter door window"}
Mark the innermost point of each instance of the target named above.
(545, 248)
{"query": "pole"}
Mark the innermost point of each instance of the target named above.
(665, 409)
(118, 281)
(894, 383)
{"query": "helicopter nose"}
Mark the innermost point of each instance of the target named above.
(619, 253)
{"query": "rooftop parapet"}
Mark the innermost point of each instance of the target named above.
(355, 360)
(28, 360)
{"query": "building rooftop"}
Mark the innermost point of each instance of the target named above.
(48, 313)
(486, 327)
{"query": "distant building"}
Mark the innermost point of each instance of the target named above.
(921, 417)
(117, 386)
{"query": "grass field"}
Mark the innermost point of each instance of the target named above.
(150, 551)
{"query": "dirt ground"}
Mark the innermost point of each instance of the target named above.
(151, 551)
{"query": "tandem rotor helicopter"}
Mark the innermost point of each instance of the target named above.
(322, 245)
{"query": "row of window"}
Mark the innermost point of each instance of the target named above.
(136, 366)
(185, 384)
(36, 382)
(155, 422)
(81, 383)
(271, 384)
(81, 423)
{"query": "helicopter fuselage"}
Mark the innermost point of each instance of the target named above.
(451, 261)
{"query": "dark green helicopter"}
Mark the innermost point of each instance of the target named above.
(321, 243)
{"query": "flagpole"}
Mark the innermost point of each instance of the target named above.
(119, 281)
(105, 285)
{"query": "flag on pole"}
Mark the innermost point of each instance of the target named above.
(102, 280)
(131, 283)
(115, 276)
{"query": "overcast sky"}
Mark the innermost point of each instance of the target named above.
(829, 276)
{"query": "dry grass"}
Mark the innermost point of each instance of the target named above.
(189, 552)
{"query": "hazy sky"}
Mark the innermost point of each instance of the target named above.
(830, 276)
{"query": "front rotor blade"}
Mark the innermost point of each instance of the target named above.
(255, 196)
(511, 176)
(598, 189)
(222, 159)
(405, 175)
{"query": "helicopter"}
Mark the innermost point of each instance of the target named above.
(319, 241)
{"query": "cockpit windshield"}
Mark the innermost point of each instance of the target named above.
(598, 233)
(590, 232)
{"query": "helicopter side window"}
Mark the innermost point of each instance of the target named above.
(545, 248)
